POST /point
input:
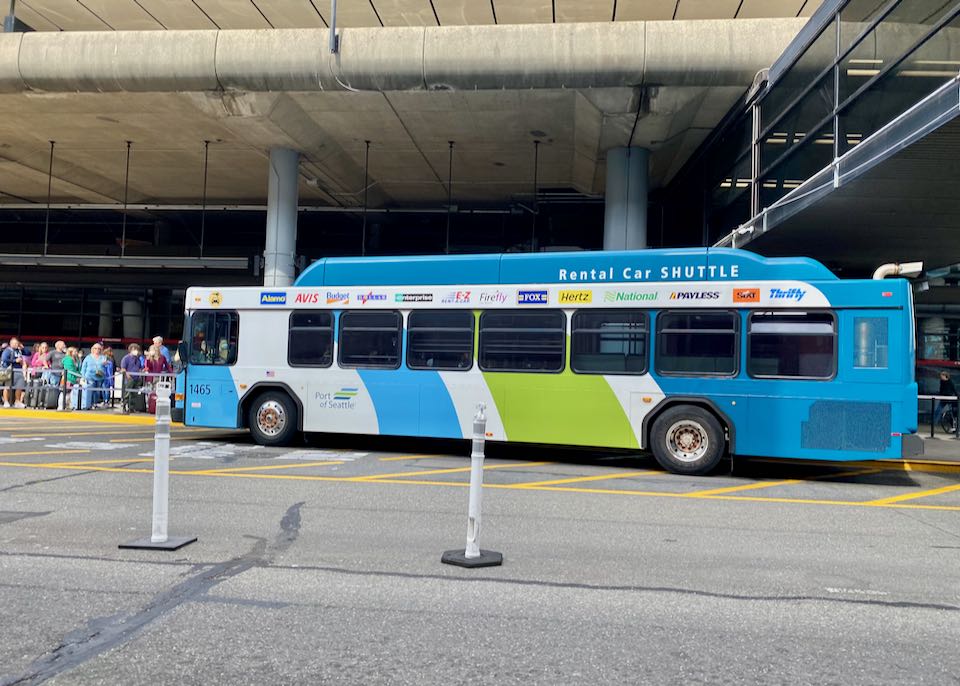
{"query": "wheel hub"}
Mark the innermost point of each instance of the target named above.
(687, 440)
(271, 418)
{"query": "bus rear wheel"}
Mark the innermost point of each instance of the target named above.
(273, 419)
(687, 440)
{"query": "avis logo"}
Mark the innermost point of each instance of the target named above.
(307, 298)
(795, 294)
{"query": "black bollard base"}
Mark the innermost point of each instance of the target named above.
(172, 543)
(488, 558)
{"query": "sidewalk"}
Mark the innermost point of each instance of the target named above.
(110, 416)
(941, 447)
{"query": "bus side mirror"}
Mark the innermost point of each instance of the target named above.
(182, 351)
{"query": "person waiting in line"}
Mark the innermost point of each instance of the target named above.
(132, 368)
(92, 373)
(162, 349)
(946, 389)
(13, 367)
(40, 363)
(109, 366)
(57, 355)
(156, 363)
(71, 378)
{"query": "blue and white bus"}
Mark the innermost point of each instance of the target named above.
(691, 354)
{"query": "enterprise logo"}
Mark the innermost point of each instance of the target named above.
(413, 298)
(695, 295)
(532, 298)
(273, 298)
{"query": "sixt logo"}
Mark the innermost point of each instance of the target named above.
(628, 297)
(364, 298)
(273, 298)
(532, 298)
(455, 297)
(338, 298)
(787, 294)
(695, 295)
(746, 295)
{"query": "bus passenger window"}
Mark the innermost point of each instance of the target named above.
(697, 343)
(370, 339)
(310, 341)
(440, 339)
(213, 337)
(798, 345)
(870, 345)
(609, 342)
(522, 341)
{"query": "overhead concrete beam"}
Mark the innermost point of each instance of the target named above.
(588, 55)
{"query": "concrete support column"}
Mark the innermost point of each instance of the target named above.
(105, 325)
(133, 319)
(281, 245)
(625, 214)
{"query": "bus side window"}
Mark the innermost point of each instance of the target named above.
(440, 339)
(213, 337)
(310, 341)
(870, 344)
(370, 339)
(697, 343)
(789, 344)
(512, 341)
(609, 342)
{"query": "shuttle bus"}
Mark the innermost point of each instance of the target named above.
(691, 354)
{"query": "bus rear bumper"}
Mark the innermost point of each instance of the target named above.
(911, 446)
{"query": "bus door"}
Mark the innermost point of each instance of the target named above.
(210, 392)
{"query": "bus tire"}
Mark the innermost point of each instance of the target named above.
(687, 439)
(273, 419)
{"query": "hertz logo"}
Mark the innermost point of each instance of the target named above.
(576, 297)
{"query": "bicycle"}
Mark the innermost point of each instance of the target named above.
(948, 420)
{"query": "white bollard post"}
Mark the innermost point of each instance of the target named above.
(472, 555)
(159, 540)
(161, 464)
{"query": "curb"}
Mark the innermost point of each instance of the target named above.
(82, 417)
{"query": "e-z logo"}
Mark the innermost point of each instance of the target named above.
(532, 298)
(458, 297)
(746, 295)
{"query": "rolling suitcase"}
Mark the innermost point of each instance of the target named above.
(137, 402)
(51, 397)
(28, 397)
(152, 403)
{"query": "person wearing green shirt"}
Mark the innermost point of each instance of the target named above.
(71, 374)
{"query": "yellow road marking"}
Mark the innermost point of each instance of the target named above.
(924, 466)
(43, 452)
(744, 487)
(452, 470)
(118, 430)
(918, 494)
(78, 463)
(79, 417)
(268, 467)
(149, 439)
(408, 457)
(581, 479)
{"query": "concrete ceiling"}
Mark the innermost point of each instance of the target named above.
(102, 15)
(493, 131)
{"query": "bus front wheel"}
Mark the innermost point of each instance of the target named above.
(687, 439)
(273, 419)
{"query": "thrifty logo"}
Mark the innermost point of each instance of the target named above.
(787, 294)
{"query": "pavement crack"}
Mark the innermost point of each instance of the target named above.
(104, 633)
(34, 482)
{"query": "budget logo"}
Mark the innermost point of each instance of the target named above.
(629, 296)
(746, 295)
(575, 297)
(365, 298)
(273, 298)
(532, 298)
(695, 295)
(787, 294)
(338, 298)
(413, 298)
(455, 297)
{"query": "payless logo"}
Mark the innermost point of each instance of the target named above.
(413, 298)
(456, 297)
(532, 298)
(371, 297)
(344, 399)
(695, 295)
(273, 298)
(746, 295)
(338, 298)
(795, 294)
(575, 297)
(628, 297)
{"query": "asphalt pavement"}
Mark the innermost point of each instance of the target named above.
(320, 563)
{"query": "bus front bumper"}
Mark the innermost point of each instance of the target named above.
(911, 446)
